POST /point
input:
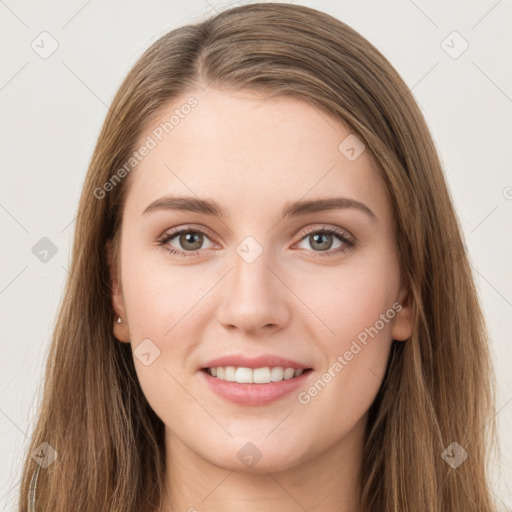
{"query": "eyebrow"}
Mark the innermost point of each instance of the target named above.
(294, 209)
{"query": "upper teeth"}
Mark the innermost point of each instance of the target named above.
(254, 375)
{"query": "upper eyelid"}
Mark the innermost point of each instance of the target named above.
(330, 229)
(173, 232)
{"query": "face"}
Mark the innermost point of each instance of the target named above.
(319, 287)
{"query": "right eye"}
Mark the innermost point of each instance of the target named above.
(189, 239)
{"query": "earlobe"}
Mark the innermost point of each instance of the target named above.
(120, 324)
(404, 321)
(121, 332)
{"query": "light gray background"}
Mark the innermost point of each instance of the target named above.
(53, 108)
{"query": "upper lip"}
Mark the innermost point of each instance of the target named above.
(262, 361)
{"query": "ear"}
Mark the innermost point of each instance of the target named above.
(121, 330)
(403, 323)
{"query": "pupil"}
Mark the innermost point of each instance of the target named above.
(325, 245)
(189, 238)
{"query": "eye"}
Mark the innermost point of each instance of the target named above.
(189, 241)
(321, 240)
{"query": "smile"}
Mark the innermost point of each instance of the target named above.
(251, 391)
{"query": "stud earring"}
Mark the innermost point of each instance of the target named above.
(119, 321)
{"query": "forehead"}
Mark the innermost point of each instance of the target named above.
(244, 148)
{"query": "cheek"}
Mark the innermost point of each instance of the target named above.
(357, 313)
(162, 303)
(161, 306)
(160, 297)
(351, 299)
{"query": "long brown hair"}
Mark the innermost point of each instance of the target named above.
(438, 388)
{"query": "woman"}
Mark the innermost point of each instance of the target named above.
(254, 369)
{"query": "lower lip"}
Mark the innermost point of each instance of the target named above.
(253, 394)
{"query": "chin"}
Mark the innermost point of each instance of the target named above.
(254, 457)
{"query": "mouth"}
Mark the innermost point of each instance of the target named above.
(263, 375)
(261, 386)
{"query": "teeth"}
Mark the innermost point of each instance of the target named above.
(254, 376)
(288, 373)
(229, 373)
(276, 374)
(244, 375)
(261, 375)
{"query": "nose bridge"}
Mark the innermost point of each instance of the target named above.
(253, 294)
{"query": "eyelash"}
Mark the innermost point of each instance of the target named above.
(347, 240)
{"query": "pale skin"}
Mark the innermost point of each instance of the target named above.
(253, 156)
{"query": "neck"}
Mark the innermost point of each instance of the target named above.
(329, 481)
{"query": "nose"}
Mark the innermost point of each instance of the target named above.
(255, 297)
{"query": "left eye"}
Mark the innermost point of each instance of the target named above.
(323, 240)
